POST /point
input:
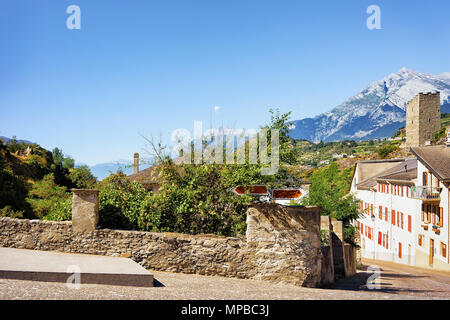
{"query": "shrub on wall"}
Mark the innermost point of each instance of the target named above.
(120, 202)
(82, 177)
(329, 190)
(45, 194)
(195, 199)
(60, 210)
(8, 211)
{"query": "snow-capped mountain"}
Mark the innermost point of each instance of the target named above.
(377, 111)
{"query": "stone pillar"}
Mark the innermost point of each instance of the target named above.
(84, 210)
(327, 276)
(284, 243)
(337, 239)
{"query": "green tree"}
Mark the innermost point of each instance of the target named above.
(68, 162)
(386, 150)
(120, 202)
(82, 177)
(44, 194)
(329, 189)
(195, 199)
(58, 156)
(198, 198)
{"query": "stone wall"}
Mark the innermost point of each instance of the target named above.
(327, 272)
(339, 257)
(282, 244)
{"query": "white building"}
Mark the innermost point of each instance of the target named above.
(405, 205)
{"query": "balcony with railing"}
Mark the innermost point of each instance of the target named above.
(426, 193)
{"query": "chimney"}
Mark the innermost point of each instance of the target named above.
(136, 163)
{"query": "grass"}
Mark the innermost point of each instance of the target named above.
(445, 119)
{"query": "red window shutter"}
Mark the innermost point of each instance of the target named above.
(380, 212)
(393, 217)
(399, 249)
(409, 223)
(441, 216)
(402, 219)
(387, 242)
(379, 237)
(402, 191)
(386, 214)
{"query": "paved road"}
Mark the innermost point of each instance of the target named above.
(395, 282)
(183, 286)
(396, 279)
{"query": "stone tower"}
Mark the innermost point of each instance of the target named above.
(136, 163)
(423, 119)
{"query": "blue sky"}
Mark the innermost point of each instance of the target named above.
(149, 67)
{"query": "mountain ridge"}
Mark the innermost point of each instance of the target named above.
(377, 111)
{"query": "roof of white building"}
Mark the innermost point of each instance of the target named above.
(436, 159)
(404, 170)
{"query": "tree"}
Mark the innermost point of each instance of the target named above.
(329, 190)
(44, 194)
(58, 156)
(120, 202)
(385, 150)
(68, 162)
(82, 177)
(198, 198)
(288, 153)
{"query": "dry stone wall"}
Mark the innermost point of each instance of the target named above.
(282, 244)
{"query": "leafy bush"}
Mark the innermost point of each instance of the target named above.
(12, 190)
(439, 135)
(60, 210)
(386, 149)
(45, 194)
(329, 190)
(194, 199)
(324, 238)
(8, 211)
(120, 202)
(82, 177)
